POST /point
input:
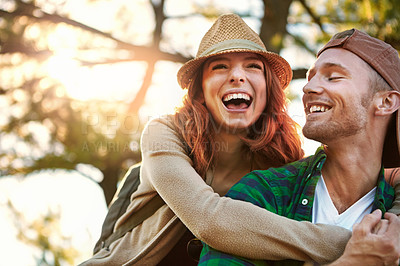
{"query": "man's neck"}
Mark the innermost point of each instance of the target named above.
(349, 174)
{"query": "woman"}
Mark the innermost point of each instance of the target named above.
(233, 121)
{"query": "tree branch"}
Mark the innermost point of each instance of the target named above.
(314, 17)
(141, 52)
(299, 73)
(301, 43)
(140, 96)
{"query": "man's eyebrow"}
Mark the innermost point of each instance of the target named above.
(310, 72)
(337, 67)
(329, 66)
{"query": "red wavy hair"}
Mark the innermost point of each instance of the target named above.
(272, 141)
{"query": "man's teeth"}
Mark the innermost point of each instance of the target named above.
(236, 96)
(319, 108)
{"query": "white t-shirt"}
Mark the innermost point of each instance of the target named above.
(324, 211)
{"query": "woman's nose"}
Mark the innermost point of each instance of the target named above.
(237, 74)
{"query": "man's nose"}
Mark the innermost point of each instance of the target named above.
(313, 86)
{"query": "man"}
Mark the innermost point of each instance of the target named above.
(351, 102)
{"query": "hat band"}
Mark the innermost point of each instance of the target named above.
(230, 45)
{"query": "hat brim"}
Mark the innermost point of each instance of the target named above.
(391, 148)
(277, 63)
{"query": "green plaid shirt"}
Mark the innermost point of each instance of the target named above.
(287, 191)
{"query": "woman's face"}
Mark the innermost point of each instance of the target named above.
(234, 89)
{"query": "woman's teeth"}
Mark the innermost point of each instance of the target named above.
(231, 96)
(237, 100)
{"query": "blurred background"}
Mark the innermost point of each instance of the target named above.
(79, 79)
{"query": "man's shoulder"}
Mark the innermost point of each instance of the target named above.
(288, 171)
(273, 188)
(288, 177)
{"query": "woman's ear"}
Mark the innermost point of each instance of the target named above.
(387, 102)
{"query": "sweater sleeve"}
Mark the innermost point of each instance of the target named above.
(231, 226)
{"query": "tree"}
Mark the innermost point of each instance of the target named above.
(106, 134)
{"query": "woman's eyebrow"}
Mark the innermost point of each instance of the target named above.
(217, 58)
(253, 58)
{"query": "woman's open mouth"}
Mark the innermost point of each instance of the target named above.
(237, 101)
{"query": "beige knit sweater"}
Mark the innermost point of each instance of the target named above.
(231, 226)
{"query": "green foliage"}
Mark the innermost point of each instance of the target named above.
(380, 19)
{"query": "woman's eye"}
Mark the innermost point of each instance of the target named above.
(255, 65)
(219, 66)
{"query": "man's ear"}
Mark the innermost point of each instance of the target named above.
(387, 102)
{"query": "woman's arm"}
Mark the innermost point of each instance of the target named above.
(228, 225)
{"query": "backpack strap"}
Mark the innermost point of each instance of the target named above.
(118, 206)
(135, 219)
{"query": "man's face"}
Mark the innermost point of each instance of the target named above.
(337, 96)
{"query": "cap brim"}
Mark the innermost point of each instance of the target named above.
(277, 63)
(391, 149)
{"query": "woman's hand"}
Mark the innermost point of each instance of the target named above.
(392, 176)
(374, 242)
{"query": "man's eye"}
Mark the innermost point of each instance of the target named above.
(219, 66)
(334, 78)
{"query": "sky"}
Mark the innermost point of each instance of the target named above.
(78, 200)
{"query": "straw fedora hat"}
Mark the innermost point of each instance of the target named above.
(231, 34)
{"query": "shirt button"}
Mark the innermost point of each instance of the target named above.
(304, 201)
